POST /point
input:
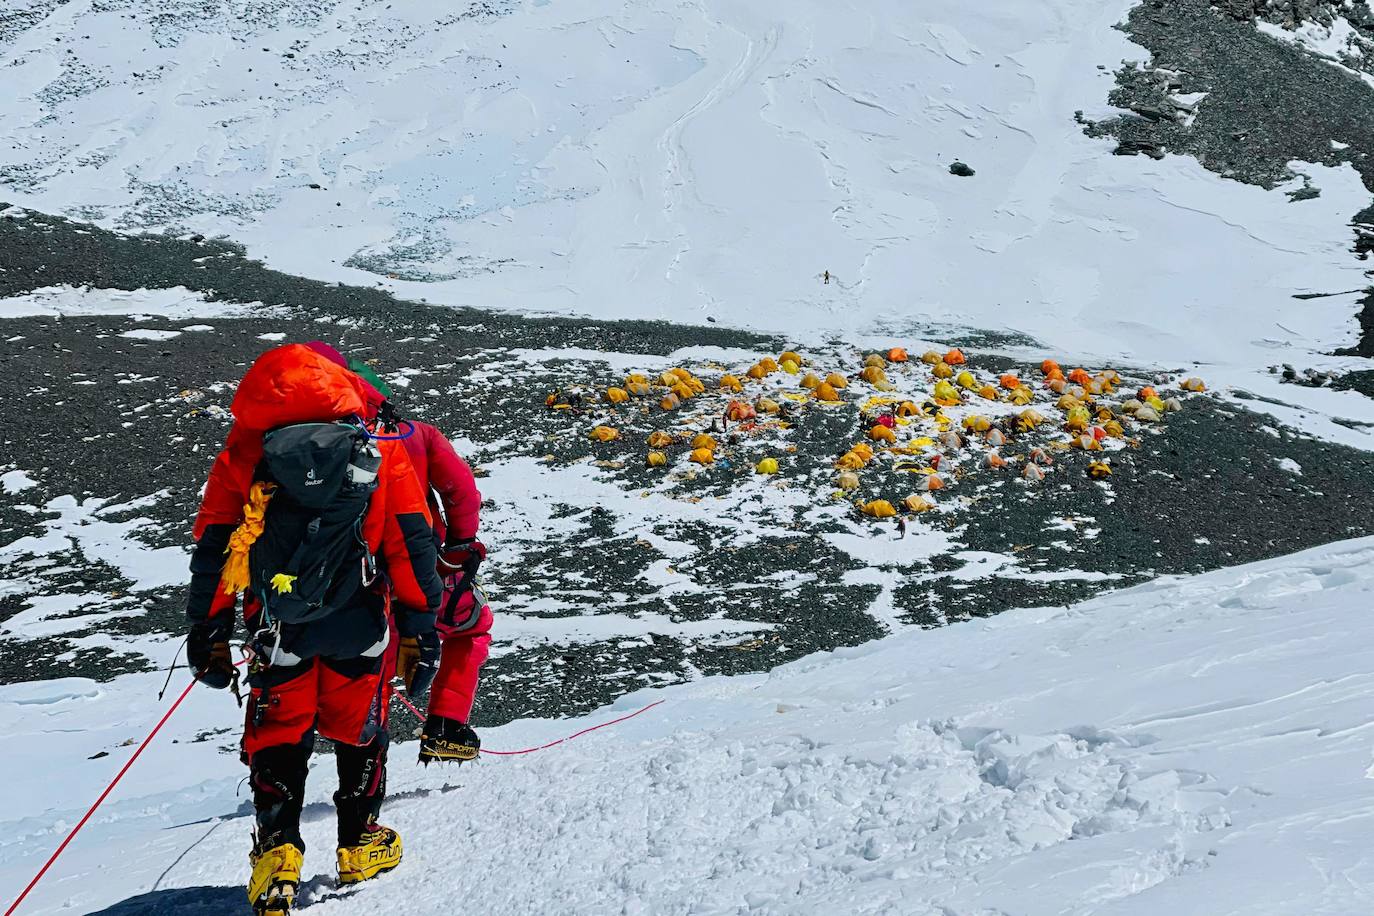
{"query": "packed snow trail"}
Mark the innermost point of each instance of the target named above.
(95, 806)
(1195, 746)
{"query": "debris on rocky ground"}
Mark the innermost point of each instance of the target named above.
(1310, 378)
(927, 426)
(663, 542)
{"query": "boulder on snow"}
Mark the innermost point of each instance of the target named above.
(958, 168)
(1136, 147)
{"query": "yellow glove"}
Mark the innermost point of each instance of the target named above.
(417, 661)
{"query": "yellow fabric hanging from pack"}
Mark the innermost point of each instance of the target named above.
(234, 578)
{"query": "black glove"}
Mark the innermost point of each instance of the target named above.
(417, 661)
(461, 557)
(446, 740)
(207, 652)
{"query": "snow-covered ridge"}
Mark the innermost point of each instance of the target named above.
(1196, 746)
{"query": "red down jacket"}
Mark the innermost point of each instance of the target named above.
(467, 636)
(450, 480)
(295, 384)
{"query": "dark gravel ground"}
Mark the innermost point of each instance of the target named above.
(1204, 493)
(38, 250)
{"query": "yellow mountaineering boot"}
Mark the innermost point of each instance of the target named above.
(446, 740)
(276, 876)
(379, 850)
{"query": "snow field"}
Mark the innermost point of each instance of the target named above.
(1194, 746)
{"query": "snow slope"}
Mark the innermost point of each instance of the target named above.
(1196, 746)
(678, 160)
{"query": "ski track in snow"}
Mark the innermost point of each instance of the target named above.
(692, 161)
(1191, 746)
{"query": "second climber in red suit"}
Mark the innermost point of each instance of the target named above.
(465, 618)
(462, 636)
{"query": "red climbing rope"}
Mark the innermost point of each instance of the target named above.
(99, 801)
(173, 708)
(530, 750)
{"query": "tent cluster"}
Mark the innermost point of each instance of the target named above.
(925, 424)
(942, 421)
(695, 424)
